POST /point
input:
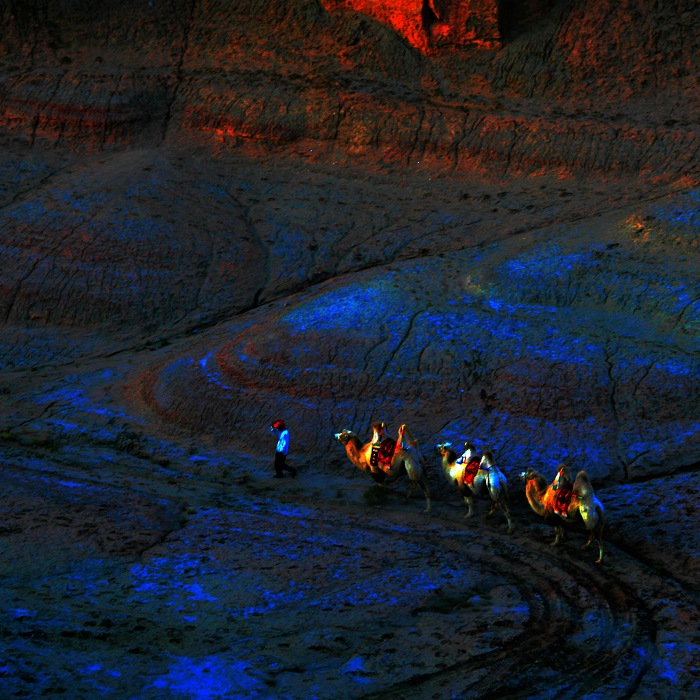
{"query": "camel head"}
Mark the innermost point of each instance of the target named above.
(529, 475)
(446, 452)
(344, 436)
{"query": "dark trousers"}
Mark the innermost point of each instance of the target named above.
(281, 464)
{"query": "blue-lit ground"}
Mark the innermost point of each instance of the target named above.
(148, 553)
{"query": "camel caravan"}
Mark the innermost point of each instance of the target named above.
(563, 502)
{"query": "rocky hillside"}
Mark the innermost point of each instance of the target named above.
(580, 86)
(477, 218)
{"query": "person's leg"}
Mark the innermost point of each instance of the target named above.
(279, 464)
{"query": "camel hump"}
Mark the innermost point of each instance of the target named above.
(564, 476)
(582, 485)
(405, 438)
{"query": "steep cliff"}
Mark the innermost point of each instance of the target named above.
(583, 86)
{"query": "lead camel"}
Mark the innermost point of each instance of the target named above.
(389, 460)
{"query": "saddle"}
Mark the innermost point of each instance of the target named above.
(383, 454)
(562, 501)
(470, 471)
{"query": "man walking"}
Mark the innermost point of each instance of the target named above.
(279, 429)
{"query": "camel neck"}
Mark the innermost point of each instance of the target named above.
(534, 496)
(353, 449)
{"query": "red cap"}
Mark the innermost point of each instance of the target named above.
(279, 424)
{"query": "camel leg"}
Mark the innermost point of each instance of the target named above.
(424, 488)
(506, 510)
(427, 502)
(426, 493)
(599, 560)
(559, 536)
(411, 488)
(469, 503)
(595, 532)
(599, 535)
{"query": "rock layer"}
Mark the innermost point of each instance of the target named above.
(624, 100)
(217, 214)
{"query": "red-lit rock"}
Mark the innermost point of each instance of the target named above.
(561, 87)
(428, 24)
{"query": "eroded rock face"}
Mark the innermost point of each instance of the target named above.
(216, 214)
(565, 344)
(204, 72)
(120, 247)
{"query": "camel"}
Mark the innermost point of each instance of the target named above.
(475, 477)
(389, 460)
(545, 500)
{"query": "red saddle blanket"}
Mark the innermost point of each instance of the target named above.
(383, 454)
(469, 473)
(562, 501)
